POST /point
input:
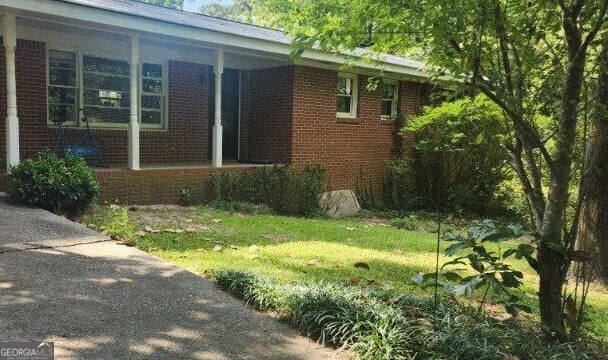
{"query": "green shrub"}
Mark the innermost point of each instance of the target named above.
(65, 185)
(378, 326)
(120, 226)
(280, 188)
(459, 159)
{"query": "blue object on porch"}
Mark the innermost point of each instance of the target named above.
(87, 146)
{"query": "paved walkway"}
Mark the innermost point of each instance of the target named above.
(97, 299)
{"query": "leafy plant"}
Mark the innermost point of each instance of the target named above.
(185, 197)
(63, 185)
(490, 271)
(459, 159)
(280, 188)
(120, 226)
(378, 326)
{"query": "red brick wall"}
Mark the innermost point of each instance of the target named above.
(185, 141)
(158, 186)
(266, 108)
(353, 151)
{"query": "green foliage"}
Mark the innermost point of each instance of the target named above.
(378, 326)
(489, 269)
(174, 4)
(280, 188)
(459, 157)
(185, 197)
(242, 207)
(398, 189)
(65, 185)
(119, 226)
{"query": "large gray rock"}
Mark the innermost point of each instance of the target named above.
(340, 203)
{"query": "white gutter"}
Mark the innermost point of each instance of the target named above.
(138, 24)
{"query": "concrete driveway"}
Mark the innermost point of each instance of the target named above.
(97, 299)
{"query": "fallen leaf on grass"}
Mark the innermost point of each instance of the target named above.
(370, 281)
(362, 265)
(234, 247)
(253, 248)
(188, 220)
(339, 265)
(190, 230)
(312, 262)
(201, 250)
(398, 251)
(216, 221)
(217, 248)
(141, 233)
(354, 281)
(350, 228)
(150, 229)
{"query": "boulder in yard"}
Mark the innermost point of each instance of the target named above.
(340, 203)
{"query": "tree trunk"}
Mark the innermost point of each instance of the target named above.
(552, 263)
(594, 224)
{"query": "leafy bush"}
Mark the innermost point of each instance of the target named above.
(120, 226)
(378, 326)
(280, 188)
(57, 184)
(459, 159)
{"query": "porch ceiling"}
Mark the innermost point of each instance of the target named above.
(115, 40)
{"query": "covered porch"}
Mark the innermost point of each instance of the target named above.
(154, 103)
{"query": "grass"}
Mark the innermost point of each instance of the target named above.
(291, 250)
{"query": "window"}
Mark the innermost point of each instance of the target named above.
(106, 85)
(62, 89)
(389, 99)
(347, 96)
(152, 95)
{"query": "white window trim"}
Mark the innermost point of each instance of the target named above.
(48, 84)
(164, 123)
(354, 97)
(395, 100)
(81, 69)
(80, 90)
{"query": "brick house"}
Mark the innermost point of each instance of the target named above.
(174, 97)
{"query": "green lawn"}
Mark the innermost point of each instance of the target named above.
(301, 250)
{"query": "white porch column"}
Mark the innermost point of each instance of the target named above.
(12, 121)
(216, 149)
(134, 114)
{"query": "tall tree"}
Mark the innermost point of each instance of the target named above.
(594, 228)
(239, 10)
(527, 56)
(174, 4)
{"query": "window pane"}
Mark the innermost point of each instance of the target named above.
(345, 86)
(151, 117)
(388, 91)
(151, 102)
(343, 104)
(152, 86)
(106, 82)
(107, 115)
(62, 77)
(62, 113)
(152, 70)
(107, 98)
(62, 95)
(387, 108)
(106, 66)
(62, 59)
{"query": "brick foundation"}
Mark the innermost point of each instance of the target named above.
(158, 186)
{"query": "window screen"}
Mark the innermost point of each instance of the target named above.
(389, 98)
(152, 95)
(62, 87)
(106, 86)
